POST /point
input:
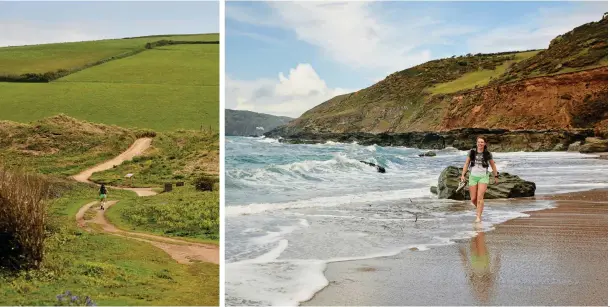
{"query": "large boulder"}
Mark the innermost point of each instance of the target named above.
(574, 146)
(594, 145)
(509, 186)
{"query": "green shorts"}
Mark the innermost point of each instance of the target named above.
(474, 179)
(480, 263)
(102, 196)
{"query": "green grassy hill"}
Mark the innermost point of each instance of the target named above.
(164, 88)
(67, 107)
(51, 57)
(427, 96)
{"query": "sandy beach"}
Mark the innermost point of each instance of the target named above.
(557, 256)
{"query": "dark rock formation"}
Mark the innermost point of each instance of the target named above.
(498, 140)
(509, 186)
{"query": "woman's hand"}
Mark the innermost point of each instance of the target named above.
(462, 178)
(496, 180)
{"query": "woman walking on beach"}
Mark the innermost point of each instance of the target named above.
(478, 161)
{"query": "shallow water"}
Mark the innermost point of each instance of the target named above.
(291, 209)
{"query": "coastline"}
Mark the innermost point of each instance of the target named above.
(556, 256)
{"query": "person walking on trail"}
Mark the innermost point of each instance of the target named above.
(478, 161)
(103, 196)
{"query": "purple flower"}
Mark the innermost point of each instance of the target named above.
(74, 298)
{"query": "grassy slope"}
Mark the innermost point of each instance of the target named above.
(184, 212)
(584, 47)
(398, 97)
(148, 90)
(60, 145)
(399, 100)
(480, 77)
(51, 57)
(173, 156)
(189, 65)
(111, 270)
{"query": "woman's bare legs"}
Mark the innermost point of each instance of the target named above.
(482, 187)
(473, 194)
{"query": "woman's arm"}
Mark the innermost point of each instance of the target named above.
(493, 167)
(465, 168)
(495, 170)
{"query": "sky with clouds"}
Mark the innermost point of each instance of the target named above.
(27, 23)
(284, 58)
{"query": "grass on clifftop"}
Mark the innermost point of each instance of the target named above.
(584, 47)
(480, 77)
(111, 270)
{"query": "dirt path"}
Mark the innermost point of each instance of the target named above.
(182, 251)
(137, 148)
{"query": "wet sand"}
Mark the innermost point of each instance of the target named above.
(556, 256)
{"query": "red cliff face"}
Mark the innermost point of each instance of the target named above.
(571, 100)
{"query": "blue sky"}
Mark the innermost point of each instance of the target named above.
(284, 58)
(24, 23)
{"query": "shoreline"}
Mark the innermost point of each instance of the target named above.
(499, 140)
(544, 251)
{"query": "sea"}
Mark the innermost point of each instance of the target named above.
(292, 209)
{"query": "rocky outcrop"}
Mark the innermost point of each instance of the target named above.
(594, 145)
(498, 139)
(509, 186)
(428, 154)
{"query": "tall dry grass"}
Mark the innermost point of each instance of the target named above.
(23, 214)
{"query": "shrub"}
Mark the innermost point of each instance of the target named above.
(205, 183)
(23, 214)
(146, 134)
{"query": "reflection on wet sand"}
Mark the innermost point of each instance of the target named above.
(481, 274)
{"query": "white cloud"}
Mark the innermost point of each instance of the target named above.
(546, 24)
(256, 36)
(356, 34)
(290, 95)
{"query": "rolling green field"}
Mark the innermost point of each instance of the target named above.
(191, 65)
(51, 57)
(64, 126)
(111, 270)
(164, 88)
(154, 106)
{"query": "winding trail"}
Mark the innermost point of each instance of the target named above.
(182, 251)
